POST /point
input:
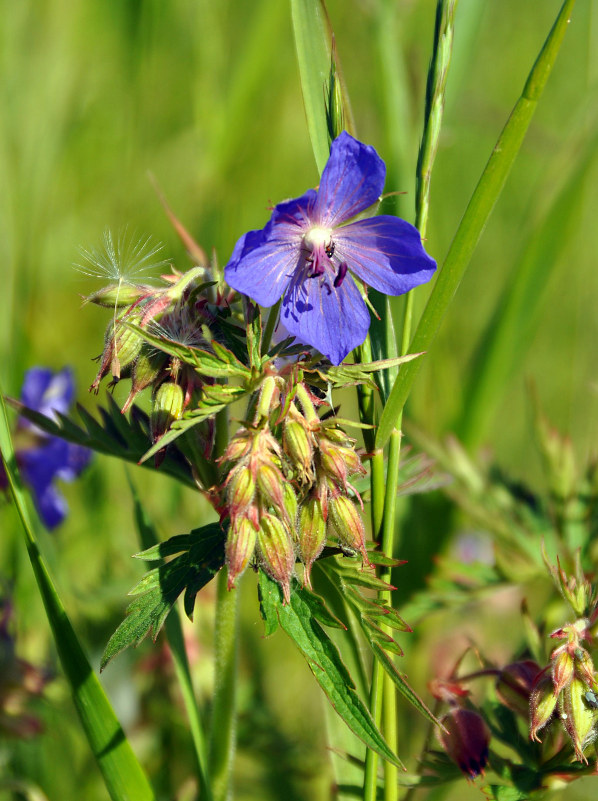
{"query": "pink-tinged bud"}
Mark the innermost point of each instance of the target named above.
(466, 740)
(542, 704)
(514, 685)
(147, 368)
(240, 491)
(238, 447)
(121, 348)
(270, 482)
(562, 671)
(578, 716)
(584, 666)
(240, 546)
(346, 522)
(312, 535)
(297, 445)
(332, 461)
(168, 405)
(276, 547)
(117, 296)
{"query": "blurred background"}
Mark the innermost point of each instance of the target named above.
(95, 97)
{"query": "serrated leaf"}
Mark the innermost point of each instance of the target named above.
(324, 660)
(176, 544)
(320, 611)
(158, 590)
(268, 595)
(128, 440)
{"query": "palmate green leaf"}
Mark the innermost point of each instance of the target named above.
(123, 776)
(474, 220)
(126, 437)
(201, 557)
(298, 621)
(313, 45)
(352, 374)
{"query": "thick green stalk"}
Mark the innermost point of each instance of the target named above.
(475, 218)
(223, 729)
(383, 694)
(123, 776)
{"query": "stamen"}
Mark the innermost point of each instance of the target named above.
(340, 276)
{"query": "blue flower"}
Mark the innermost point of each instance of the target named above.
(45, 458)
(308, 252)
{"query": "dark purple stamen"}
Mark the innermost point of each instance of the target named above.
(340, 276)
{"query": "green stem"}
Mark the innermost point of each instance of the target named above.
(270, 326)
(475, 218)
(223, 729)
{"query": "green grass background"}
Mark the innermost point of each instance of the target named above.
(205, 96)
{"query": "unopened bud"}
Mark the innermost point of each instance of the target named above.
(466, 740)
(266, 397)
(298, 447)
(240, 546)
(145, 371)
(577, 715)
(562, 670)
(347, 523)
(270, 482)
(514, 685)
(312, 534)
(240, 491)
(290, 502)
(117, 296)
(276, 548)
(542, 704)
(168, 405)
(584, 666)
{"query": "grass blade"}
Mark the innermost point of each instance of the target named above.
(475, 218)
(123, 776)
(312, 41)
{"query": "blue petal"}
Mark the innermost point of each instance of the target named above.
(353, 180)
(385, 252)
(263, 262)
(46, 392)
(334, 320)
(51, 506)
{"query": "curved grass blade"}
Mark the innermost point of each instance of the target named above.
(123, 776)
(312, 41)
(474, 220)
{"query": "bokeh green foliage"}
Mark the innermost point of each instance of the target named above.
(206, 97)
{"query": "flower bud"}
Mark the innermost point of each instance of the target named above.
(146, 370)
(312, 534)
(577, 715)
(240, 546)
(562, 670)
(117, 296)
(168, 405)
(298, 447)
(270, 482)
(240, 491)
(276, 548)
(290, 502)
(466, 740)
(514, 685)
(584, 666)
(346, 522)
(541, 704)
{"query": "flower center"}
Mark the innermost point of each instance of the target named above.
(317, 238)
(319, 248)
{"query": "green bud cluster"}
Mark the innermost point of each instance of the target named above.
(288, 479)
(568, 689)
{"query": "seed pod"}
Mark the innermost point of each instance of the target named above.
(276, 548)
(312, 535)
(240, 546)
(167, 407)
(542, 704)
(347, 524)
(146, 370)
